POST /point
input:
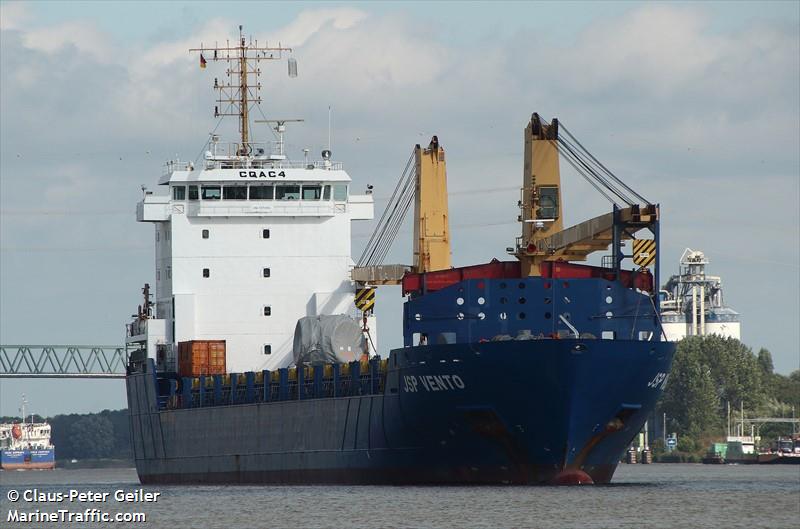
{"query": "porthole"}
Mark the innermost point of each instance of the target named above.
(547, 315)
(481, 301)
(481, 316)
(522, 300)
(609, 299)
(521, 285)
(460, 316)
(609, 314)
(547, 301)
(459, 301)
(503, 316)
(504, 300)
(521, 316)
(417, 317)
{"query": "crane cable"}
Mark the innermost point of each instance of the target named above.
(392, 217)
(593, 171)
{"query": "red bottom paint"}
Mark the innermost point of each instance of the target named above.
(572, 477)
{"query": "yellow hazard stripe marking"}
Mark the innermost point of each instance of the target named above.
(365, 293)
(365, 298)
(644, 252)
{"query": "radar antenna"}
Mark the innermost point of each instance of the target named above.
(241, 91)
(280, 128)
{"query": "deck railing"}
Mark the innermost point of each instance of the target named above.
(296, 383)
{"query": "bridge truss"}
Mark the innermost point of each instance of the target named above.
(63, 361)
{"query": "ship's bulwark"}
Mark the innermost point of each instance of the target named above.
(517, 412)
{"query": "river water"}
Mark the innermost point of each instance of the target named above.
(641, 496)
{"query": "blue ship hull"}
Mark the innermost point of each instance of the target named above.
(44, 458)
(518, 412)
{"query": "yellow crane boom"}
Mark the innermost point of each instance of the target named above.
(431, 217)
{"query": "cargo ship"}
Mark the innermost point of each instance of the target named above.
(26, 445)
(258, 361)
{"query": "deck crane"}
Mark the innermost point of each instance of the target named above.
(544, 248)
(424, 182)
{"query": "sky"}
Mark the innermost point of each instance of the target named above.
(694, 105)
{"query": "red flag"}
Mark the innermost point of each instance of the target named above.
(202, 61)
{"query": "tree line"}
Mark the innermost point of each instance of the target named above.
(711, 374)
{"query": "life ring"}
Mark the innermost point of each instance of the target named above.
(16, 431)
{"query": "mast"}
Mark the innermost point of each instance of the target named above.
(242, 88)
(24, 428)
(243, 108)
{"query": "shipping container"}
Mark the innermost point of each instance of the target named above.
(201, 357)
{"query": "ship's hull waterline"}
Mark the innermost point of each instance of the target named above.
(512, 412)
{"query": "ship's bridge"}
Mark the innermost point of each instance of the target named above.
(255, 186)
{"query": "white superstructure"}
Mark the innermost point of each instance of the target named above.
(248, 241)
(692, 302)
(26, 434)
(247, 246)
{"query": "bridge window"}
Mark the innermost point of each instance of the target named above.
(312, 192)
(287, 192)
(179, 193)
(267, 310)
(267, 349)
(548, 203)
(266, 272)
(326, 193)
(340, 193)
(205, 234)
(206, 272)
(234, 193)
(210, 192)
(261, 192)
(193, 193)
(265, 234)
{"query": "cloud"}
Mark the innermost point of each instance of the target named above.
(13, 15)
(310, 22)
(82, 36)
